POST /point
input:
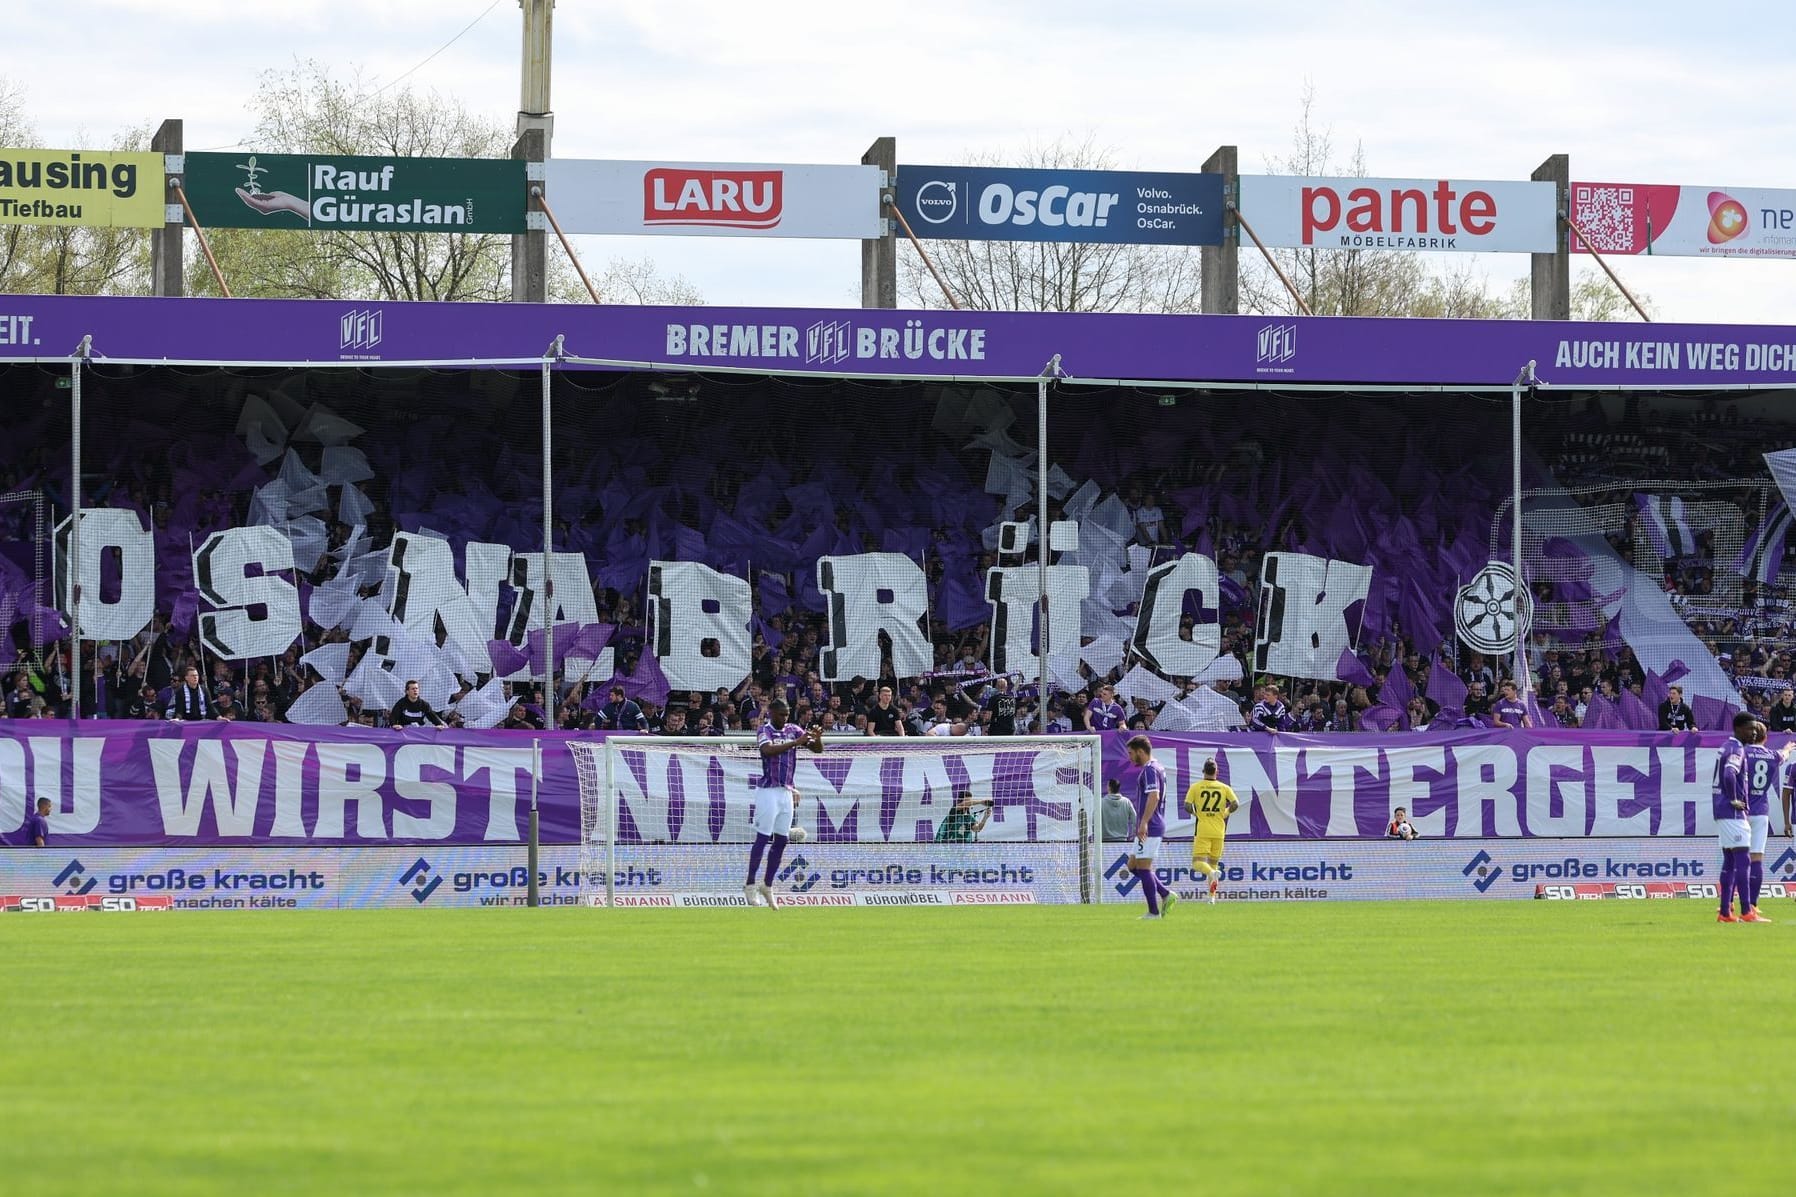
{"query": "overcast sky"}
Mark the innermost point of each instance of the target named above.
(1639, 92)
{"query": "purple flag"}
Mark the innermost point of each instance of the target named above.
(1380, 718)
(1445, 688)
(507, 657)
(1635, 714)
(1396, 693)
(1353, 670)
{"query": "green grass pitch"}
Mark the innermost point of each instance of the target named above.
(1528, 1048)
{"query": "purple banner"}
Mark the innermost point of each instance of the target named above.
(145, 784)
(1484, 353)
(1459, 784)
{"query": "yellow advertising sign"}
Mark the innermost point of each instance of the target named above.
(89, 187)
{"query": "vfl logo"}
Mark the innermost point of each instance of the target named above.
(427, 881)
(1727, 218)
(1488, 871)
(1129, 881)
(826, 342)
(72, 877)
(1277, 344)
(729, 199)
(796, 872)
(937, 201)
(359, 330)
(1786, 862)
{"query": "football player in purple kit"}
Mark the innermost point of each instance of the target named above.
(777, 799)
(1104, 713)
(1732, 830)
(1761, 771)
(1150, 825)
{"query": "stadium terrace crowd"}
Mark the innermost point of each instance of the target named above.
(1406, 681)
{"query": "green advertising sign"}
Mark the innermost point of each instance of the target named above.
(300, 191)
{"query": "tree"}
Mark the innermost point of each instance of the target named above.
(1360, 282)
(68, 259)
(307, 110)
(623, 281)
(1053, 276)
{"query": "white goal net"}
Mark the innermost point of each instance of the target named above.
(887, 822)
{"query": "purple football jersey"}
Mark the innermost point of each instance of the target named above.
(778, 771)
(1151, 780)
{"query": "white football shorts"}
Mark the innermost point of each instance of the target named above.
(1145, 849)
(773, 810)
(1761, 830)
(1734, 833)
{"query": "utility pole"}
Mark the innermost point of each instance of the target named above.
(536, 128)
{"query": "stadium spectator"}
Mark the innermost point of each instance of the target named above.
(675, 722)
(1001, 705)
(1477, 703)
(621, 714)
(1782, 718)
(1674, 715)
(1509, 712)
(520, 718)
(189, 703)
(412, 711)
(1118, 815)
(144, 705)
(19, 700)
(1562, 711)
(885, 719)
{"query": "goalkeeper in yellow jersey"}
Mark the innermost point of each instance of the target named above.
(1212, 802)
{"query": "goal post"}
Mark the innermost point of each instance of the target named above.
(665, 821)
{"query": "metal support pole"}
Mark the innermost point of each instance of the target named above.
(1603, 261)
(550, 696)
(1049, 373)
(81, 355)
(1270, 260)
(533, 894)
(891, 203)
(1522, 598)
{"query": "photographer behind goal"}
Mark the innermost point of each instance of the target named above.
(960, 826)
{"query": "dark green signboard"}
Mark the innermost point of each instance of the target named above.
(299, 191)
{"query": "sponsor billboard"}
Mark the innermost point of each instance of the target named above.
(975, 203)
(1700, 222)
(715, 199)
(680, 876)
(1436, 215)
(411, 195)
(82, 187)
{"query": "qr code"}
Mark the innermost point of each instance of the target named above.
(1606, 214)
